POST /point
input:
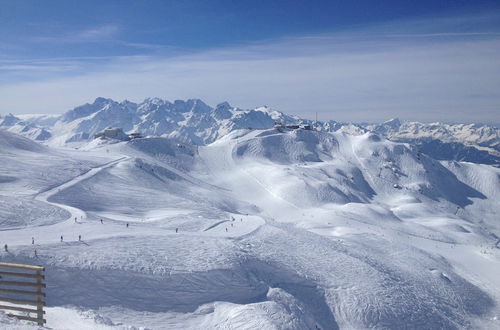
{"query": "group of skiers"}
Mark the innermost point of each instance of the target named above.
(232, 220)
(6, 247)
(80, 236)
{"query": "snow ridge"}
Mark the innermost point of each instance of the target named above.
(192, 121)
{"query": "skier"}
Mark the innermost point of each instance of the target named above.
(79, 237)
(61, 238)
(176, 230)
(36, 255)
(127, 224)
(101, 221)
(75, 219)
(226, 229)
(32, 240)
(6, 248)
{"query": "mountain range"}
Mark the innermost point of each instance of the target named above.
(215, 224)
(193, 121)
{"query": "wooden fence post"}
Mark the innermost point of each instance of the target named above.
(11, 289)
(39, 306)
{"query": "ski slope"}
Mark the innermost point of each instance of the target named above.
(262, 229)
(74, 212)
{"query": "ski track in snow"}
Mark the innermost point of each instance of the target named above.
(277, 265)
(76, 213)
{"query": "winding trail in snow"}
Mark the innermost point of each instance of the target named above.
(70, 230)
(76, 213)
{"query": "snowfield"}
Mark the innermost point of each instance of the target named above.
(261, 229)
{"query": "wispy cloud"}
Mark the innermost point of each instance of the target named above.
(350, 75)
(146, 46)
(93, 34)
(108, 34)
(445, 34)
(39, 68)
(102, 32)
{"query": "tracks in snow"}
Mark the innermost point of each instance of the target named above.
(75, 212)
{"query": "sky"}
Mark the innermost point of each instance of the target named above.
(359, 60)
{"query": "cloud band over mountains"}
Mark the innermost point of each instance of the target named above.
(423, 70)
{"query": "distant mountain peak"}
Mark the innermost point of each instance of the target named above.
(154, 100)
(102, 100)
(393, 122)
(9, 120)
(223, 105)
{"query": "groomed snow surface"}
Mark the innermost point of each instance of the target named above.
(261, 229)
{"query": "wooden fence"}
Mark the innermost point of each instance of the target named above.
(10, 290)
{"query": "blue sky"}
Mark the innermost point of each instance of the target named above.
(348, 60)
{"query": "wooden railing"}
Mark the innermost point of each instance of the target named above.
(33, 278)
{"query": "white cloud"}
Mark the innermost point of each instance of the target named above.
(102, 32)
(343, 76)
(94, 34)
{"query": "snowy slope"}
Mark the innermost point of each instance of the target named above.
(261, 229)
(27, 169)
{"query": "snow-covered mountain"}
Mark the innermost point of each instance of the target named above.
(475, 143)
(261, 229)
(473, 134)
(193, 121)
(27, 128)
